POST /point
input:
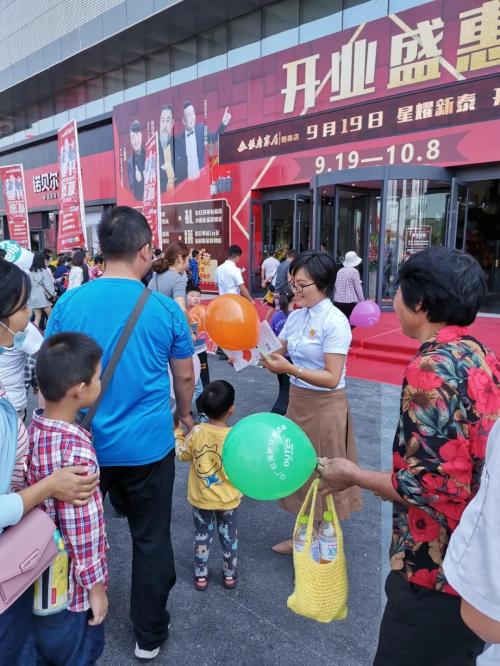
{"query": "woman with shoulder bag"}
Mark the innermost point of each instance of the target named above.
(42, 288)
(68, 485)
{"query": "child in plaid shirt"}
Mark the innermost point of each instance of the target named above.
(68, 369)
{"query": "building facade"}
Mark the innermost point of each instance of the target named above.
(369, 126)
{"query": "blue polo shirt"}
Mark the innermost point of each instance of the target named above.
(133, 425)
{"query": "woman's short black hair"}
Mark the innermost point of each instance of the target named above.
(98, 259)
(15, 289)
(38, 263)
(319, 266)
(216, 399)
(448, 284)
(65, 360)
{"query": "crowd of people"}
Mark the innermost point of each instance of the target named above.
(443, 595)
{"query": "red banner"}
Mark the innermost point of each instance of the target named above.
(14, 192)
(151, 176)
(71, 229)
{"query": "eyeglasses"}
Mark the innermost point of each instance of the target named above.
(298, 288)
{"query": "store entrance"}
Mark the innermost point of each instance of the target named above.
(355, 226)
(385, 214)
(478, 232)
(279, 221)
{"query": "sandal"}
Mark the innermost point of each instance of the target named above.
(229, 582)
(201, 583)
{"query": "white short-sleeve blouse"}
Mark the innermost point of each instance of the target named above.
(311, 333)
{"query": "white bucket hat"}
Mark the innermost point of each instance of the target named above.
(351, 259)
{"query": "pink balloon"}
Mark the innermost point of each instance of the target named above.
(365, 313)
(197, 371)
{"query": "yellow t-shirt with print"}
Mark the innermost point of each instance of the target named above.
(208, 485)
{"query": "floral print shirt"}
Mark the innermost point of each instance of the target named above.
(450, 402)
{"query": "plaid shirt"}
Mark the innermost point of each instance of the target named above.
(348, 286)
(56, 444)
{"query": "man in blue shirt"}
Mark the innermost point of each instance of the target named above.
(133, 427)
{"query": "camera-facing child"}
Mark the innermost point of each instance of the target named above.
(68, 369)
(214, 499)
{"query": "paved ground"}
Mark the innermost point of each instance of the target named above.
(252, 625)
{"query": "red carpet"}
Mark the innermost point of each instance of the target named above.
(381, 353)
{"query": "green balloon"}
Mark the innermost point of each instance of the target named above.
(267, 456)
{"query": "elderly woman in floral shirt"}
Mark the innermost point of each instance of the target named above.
(450, 402)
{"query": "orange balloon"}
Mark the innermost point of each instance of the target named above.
(232, 322)
(197, 315)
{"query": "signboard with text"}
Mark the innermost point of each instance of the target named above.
(151, 201)
(14, 192)
(418, 87)
(71, 230)
(417, 238)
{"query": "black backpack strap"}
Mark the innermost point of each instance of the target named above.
(111, 367)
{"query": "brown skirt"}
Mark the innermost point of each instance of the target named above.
(325, 418)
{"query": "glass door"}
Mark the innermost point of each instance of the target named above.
(302, 227)
(416, 218)
(256, 245)
(482, 236)
(357, 224)
(457, 218)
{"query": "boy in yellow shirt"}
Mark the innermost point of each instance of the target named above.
(213, 498)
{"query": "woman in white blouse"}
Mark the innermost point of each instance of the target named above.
(76, 274)
(317, 338)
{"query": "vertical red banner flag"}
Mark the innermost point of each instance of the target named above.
(14, 193)
(71, 229)
(151, 203)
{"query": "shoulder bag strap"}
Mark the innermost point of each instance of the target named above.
(111, 367)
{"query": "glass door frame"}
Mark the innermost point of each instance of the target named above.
(264, 201)
(382, 174)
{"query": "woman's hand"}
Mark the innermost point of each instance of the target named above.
(277, 363)
(73, 485)
(336, 474)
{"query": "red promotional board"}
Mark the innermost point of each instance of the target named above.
(71, 231)
(14, 192)
(151, 175)
(418, 87)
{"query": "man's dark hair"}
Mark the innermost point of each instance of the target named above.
(192, 287)
(98, 259)
(15, 289)
(292, 254)
(319, 266)
(216, 399)
(122, 232)
(235, 251)
(157, 252)
(167, 107)
(448, 284)
(38, 263)
(188, 103)
(194, 253)
(65, 360)
(48, 253)
(135, 126)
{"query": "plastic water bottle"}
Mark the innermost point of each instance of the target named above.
(299, 538)
(327, 539)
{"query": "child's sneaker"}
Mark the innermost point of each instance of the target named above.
(201, 583)
(230, 582)
(146, 654)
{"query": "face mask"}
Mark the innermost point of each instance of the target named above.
(18, 340)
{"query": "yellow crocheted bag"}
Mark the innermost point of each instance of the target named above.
(320, 589)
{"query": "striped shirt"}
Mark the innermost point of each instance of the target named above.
(56, 444)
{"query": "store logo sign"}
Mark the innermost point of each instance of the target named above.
(46, 184)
